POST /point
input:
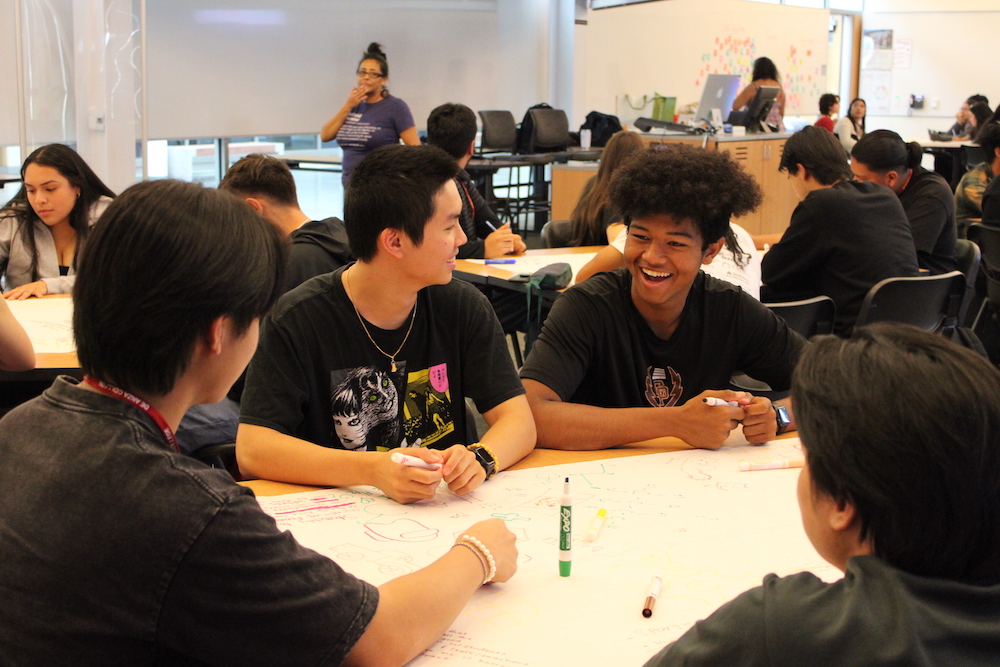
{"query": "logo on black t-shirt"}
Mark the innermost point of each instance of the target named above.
(658, 392)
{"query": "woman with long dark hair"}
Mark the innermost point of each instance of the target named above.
(45, 224)
(851, 126)
(593, 213)
(765, 73)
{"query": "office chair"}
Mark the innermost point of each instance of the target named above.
(556, 233)
(549, 131)
(968, 256)
(499, 133)
(931, 303)
(987, 238)
(808, 318)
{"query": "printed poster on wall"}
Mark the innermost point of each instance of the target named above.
(876, 50)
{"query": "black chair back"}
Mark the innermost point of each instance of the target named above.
(549, 131)
(808, 317)
(987, 237)
(968, 257)
(556, 233)
(931, 303)
(499, 131)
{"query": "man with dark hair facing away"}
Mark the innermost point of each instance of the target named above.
(452, 128)
(630, 354)
(844, 236)
(267, 185)
(381, 354)
(119, 550)
(901, 492)
(315, 247)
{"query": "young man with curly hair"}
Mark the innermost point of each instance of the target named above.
(629, 355)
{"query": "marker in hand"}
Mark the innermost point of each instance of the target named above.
(718, 402)
(414, 462)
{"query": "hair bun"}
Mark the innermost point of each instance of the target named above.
(375, 48)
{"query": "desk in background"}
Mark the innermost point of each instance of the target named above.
(320, 159)
(49, 324)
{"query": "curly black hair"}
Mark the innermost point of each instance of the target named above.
(703, 186)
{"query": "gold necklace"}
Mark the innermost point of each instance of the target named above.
(392, 357)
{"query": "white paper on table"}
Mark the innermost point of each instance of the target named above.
(48, 323)
(690, 517)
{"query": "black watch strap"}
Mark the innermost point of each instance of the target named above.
(485, 457)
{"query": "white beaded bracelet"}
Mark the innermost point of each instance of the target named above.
(483, 554)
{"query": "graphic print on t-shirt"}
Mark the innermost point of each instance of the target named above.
(356, 132)
(365, 408)
(658, 392)
(427, 406)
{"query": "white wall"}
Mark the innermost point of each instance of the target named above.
(949, 60)
(669, 47)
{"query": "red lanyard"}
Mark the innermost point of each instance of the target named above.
(468, 197)
(153, 413)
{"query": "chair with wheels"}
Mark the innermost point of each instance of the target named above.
(931, 303)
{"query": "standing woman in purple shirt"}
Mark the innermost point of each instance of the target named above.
(370, 117)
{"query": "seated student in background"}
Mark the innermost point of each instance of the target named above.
(963, 126)
(452, 128)
(882, 157)
(844, 235)
(590, 220)
(117, 549)
(16, 351)
(47, 221)
(851, 126)
(902, 495)
(829, 104)
(991, 203)
(969, 192)
(267, 185)
(382, 354)
(980, 114)
(315, 247)
(738, 262)
(629, 355)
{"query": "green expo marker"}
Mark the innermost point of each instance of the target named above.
(565, 531)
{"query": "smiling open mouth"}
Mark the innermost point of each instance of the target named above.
(655, 275)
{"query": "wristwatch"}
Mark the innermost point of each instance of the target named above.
(485, 457)
(781, 413)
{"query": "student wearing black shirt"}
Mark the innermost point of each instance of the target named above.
(629, 355)
(382, 353)
(882, 157)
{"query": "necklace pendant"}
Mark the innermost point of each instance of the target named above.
(392, 367)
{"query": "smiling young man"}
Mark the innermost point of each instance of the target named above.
(901, 492)
(381, 354)
(629, 355)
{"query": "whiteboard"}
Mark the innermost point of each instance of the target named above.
(670, 47)
(691, 517)
(256, 67)
(8, 63)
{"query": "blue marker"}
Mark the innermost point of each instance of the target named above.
(500, 261)
(565, 531)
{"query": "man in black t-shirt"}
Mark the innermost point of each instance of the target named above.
(630, 355)
(381, 354)
(883, 157)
